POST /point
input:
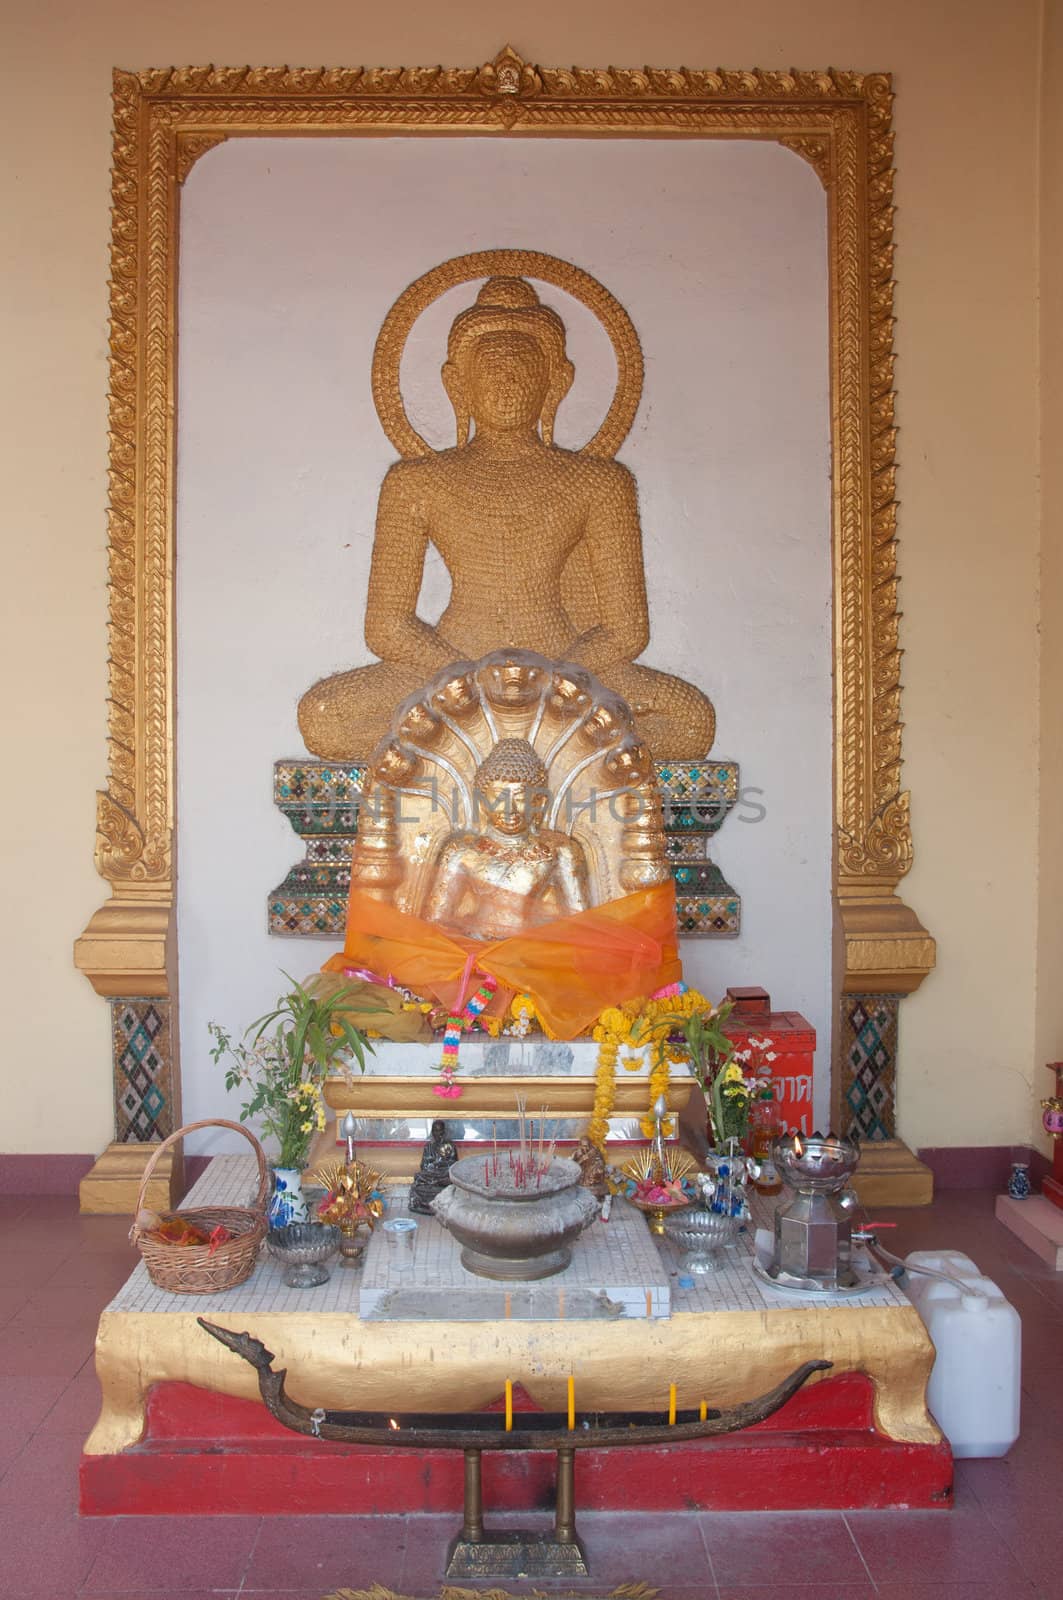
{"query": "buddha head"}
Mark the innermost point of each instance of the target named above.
(506, 368)
(511, 788)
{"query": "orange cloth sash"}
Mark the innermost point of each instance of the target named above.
(573, 967)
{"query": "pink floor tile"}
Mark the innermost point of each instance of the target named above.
(44, 1476)
(29, 1268)
(45, 1555)
(76, 1409)
(58, 1305)
(1016, 1590)
(25, 1402)
(13, 1297)
(424, 1560)
(932, 1546)
(48, 1352)
(180, 1552)
(166, 1594)
(764, 1548)
(293, 1552)
(803, 1591)
(102, 1272)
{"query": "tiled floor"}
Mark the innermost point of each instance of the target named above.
(58, 1269)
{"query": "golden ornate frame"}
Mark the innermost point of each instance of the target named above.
(166, 118)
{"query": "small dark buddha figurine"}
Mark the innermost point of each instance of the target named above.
(437, 1158)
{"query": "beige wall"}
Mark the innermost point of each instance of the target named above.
(1049, 1012)
(966, 74)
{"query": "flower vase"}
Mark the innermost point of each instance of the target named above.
(1019, 1180)
(288, 1203)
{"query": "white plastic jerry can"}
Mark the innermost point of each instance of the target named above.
(974, 1387)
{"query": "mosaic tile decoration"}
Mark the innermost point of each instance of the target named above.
(614, 1271)
(869, 1063)
(320, 801)
(230, 1180)
(143, 1070)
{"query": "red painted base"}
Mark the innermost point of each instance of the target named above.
(208, 1454)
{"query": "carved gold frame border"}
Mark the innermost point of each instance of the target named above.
(166, 118)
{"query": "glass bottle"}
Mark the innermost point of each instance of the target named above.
(766, 1128)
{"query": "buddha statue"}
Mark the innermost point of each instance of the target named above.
(510, 832)
(507, 873)
(542, 546)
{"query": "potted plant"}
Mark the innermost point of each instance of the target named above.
(281, 1063)
(729, 1084)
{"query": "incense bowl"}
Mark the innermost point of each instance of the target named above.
(512, 1232)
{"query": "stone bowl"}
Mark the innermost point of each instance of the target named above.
(301, 1248)
(510, 1233)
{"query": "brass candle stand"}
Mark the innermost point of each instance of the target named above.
(478, 1552)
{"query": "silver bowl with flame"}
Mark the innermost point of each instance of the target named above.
(815, 1163)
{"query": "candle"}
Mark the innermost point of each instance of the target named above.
(509, 1405)
(671, 1404)
(571, 1402)
(704, 1410)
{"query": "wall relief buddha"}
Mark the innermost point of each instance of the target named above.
(542, 545)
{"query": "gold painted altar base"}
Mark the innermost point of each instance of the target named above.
(740, 1341)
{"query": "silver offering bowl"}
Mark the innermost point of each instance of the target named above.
(815, 1163)
(702, 1237)
(302, 1247)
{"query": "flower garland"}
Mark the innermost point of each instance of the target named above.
(456, 1024)
(640, 1025)
(612, 1029)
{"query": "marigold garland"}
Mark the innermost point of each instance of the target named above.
(640, 1025)
(636, 1026)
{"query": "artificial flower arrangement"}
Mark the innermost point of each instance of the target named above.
(354, 1194)
(284, 1057)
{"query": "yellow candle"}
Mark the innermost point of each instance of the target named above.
(704, 1410)
(509, 1405)
(571, 1402)
(671, 1403)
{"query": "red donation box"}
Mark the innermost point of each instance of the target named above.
(793, 1039)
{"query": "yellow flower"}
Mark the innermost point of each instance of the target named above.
(613, 1020)
(732, 1073)
(306, 1127)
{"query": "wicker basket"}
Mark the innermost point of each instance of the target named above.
(196, 1268)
